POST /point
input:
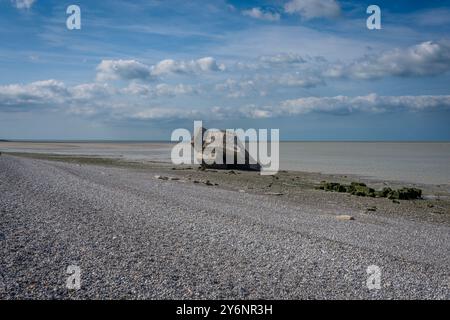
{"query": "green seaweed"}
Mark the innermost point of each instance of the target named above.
(362, 190)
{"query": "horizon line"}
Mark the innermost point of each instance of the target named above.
(169, 141)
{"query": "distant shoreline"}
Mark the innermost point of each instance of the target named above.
(173, 142)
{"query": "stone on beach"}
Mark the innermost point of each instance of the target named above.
(223, 142)
(345, 217)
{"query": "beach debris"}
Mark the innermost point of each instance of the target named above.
(274, 194)
(167, 178)
(209, 183)
(362, 190)
(373, 208)
(345, 217)
(221, 143)
(196, 181)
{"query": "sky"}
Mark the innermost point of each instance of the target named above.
(137, 70)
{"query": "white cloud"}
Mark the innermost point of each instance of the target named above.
(134, 70)
(160, 90)
(84, 99)
(261, 14)
(369, 103)
(157, 113)
(89, 91)
(240, 88)
(92, 99)
(123, 70)
(309, 9)
(283, 59)
(425, 59)
(163, 89)
(23, 4)
(297, 80)
(169, 66)
(18, 97)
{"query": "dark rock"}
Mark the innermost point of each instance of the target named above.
(362, 190)
(405, 194)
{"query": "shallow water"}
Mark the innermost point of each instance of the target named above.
(416, 162)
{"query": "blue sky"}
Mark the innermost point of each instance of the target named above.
(139, 69)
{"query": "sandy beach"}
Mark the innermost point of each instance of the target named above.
(162, 232)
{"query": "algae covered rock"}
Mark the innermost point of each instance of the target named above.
(362, 190)
(405, 194)
(332, 186)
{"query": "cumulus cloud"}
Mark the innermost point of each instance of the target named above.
(310, 9)
(134, 70)
(123, 70)
(369, 103)
(237, 88)
(160, 90)
(158, 113)
(86, 98)
(283, 59)
(297, 80)
(91, 99)
(23, 4)
(425, 59)
(261, 14)
(274, 62)
(18, 97)
(169, 66)
(88, 91)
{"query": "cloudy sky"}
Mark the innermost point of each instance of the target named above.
(139, 69)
